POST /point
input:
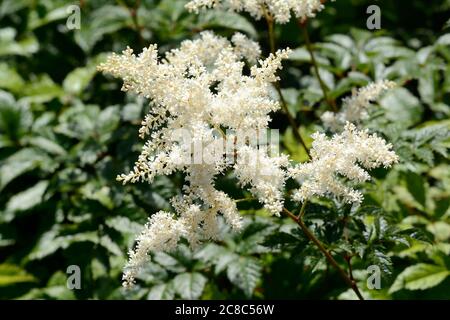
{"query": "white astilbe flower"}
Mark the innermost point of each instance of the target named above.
(340, 161)
(354, 109)
(162, 232)
(246, 48)
(264, 174)
(279, 10)
(196, 91)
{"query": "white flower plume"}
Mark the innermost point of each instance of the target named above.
(338, 161)
(280, 10)
(197, 91)
(354, 109)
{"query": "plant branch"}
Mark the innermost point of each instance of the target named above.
(302, 210)
(244, 199)
(323, 86)
(350, 282)
(292, 123)
(350, 268)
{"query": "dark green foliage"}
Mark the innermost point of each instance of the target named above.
(66, 132)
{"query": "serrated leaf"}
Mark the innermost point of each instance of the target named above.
(110, 245)
(189, 285)
(416, 187)
(420, 277)
(164, 291)
(47, 145)
(402, 107)
(245, 273)
(27, 199)
(123, 225)
(50, 242)
(209, 252)
(17, 164)
(168, 262)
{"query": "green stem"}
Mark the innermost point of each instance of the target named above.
(351, 283)
(323, 86)
(292, 123)
(302, 210)
(244, 199)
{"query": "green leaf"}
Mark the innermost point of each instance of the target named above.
(47, 145)
(440, 229)
(107, 243)
(300, 54)
(107, 19)
(35, 21)
(227, 19)
(50, 292)
(244, 273)
(427, 84)
(15, 118)
(41, 90)
(11, 274)
(423, 54)
(17, 164)
(29, 198)
(444, 40)
(420, 277)
(387, 48)
(107, 122)
(10, 79)
(123, 225)
(164, 291)
(132, 112)
(416, 186)
(353, 79)
(340, 55)
(189, 285)
(78, 79)
(8, 7)
(9, 46)
(402, 107)
(97, 193)
(50, 242)
(79, 121)
(169, 262)
(343, 40)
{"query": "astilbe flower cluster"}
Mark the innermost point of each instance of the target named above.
(339, 161)
(202, 89)
(196, 91)
(355, 108)
(280, 10)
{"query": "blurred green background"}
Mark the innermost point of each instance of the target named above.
(67, 131)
